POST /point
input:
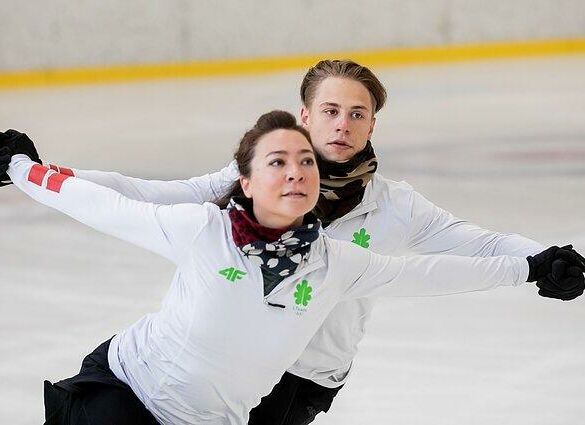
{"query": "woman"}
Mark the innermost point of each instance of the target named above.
(253, 284)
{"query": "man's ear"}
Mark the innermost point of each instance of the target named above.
(304, 116)
(245, 183)
(372, 128)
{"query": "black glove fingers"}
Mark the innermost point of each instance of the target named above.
(546, 294)
(556, 296)
(579, 257)
(572, 257)
(12, 133)
(574, 271)
(540, 264)
(559, 268)
(572, 284)
(5, 156)
(566, 287)
(568, 296)
(20, 143)
(4, 163)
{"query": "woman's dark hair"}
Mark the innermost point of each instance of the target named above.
(268, 122)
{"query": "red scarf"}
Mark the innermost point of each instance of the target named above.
(246, 229)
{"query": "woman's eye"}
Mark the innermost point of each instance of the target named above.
(276, 162)
(357, 115)
(308, 161)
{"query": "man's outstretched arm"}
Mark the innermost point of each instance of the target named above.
(434, 230)
(205, 188)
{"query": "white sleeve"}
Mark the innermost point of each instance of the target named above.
(167, 230)
(428, 275)
(198, 190)
(433, 230)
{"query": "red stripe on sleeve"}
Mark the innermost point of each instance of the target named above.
(54, 167)
(37, 174)
(66, 171)
(55, 181)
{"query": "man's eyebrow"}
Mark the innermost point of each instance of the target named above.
(336, 105)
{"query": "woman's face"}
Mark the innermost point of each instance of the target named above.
(284, 179)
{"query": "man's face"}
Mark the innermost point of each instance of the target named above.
(340, 118)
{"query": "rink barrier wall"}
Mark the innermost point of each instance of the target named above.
(265, 65)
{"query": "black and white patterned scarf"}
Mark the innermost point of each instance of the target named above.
(278, 252)
(343, 184)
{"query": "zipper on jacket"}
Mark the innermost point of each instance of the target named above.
(273, 304)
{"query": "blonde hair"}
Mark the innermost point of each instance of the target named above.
(343, 69)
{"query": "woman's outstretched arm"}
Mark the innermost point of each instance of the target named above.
(164, 229)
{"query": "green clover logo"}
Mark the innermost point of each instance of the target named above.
(361, 238)
(303, 294)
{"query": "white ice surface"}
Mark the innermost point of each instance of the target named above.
(500, 143)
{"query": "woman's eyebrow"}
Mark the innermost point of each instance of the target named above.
(281, 152)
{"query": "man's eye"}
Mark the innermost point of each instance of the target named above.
(330, 111)
(276, 162)
(357, 115)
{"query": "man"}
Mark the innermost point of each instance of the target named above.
(340, 100)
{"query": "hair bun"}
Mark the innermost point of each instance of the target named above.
(276, 119)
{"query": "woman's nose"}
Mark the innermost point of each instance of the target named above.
(293, 178)
(294, 173)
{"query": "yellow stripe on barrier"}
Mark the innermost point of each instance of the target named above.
(387, 57)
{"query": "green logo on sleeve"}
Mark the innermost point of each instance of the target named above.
(303, 294)
(361, 238)
(232, 274)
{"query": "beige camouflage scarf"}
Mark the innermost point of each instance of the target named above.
(343, 184)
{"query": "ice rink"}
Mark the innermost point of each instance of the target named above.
(500, 143)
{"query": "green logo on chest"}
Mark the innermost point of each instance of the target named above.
(232, 274)
(361, 238)
(303, 294)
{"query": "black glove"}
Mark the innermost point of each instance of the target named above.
(13, 142)
(19, 143)
(572, 257)
(541, 264)
(565, 282)
(4, 163)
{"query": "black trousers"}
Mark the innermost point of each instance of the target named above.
(94, 397)
(293, 401)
